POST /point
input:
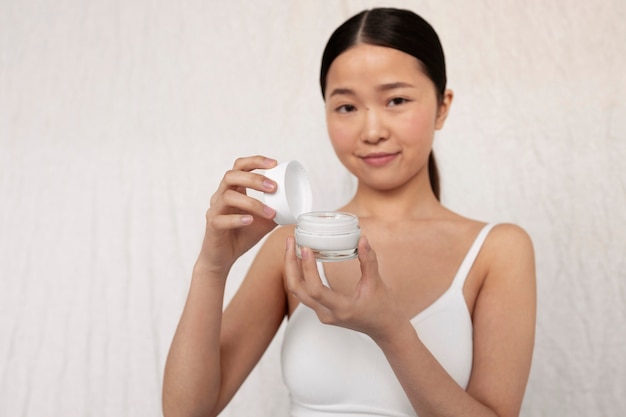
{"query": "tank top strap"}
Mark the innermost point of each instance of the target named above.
(470, 257)
(466, 265)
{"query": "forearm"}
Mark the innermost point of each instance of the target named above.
(192, 373)
(432, 392)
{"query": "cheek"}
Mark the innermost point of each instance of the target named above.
(342, 135)
(416, 125)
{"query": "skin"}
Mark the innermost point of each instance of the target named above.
(382, 113)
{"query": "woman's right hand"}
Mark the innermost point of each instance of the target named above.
(235, 222)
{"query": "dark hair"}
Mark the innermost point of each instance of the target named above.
(398, 29)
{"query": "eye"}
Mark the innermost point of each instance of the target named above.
(346, 108)
(396, 101)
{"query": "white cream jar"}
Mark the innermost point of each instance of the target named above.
(332, 235)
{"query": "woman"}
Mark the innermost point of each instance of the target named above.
(437, 315)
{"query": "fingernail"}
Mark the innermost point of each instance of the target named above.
(247, 219)
(269, 162)
(304, 252)
(268, 185)
(268, 211)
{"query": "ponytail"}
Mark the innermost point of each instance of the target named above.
(433, 174)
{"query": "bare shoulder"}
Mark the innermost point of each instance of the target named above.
(508, 239)
(266, 270)
(508, 252)
(269, 260)
(261, 294)
(275, 242)
(269, 264)
(509, 233)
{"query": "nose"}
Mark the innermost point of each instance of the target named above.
(374, 128)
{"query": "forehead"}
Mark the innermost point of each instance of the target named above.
(366, 63)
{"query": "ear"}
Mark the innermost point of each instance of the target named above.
(444, 108)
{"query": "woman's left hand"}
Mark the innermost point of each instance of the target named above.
(370, 309)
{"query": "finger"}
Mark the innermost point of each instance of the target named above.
(234, 202)
(293, 272)
(245, 166)
(367, 259)
(250, 163)
(323, 295)
(240, 177)
(242, 180)
(315, 288)
(297, 285)
(230, 221)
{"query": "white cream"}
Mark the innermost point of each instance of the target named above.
(332, 235)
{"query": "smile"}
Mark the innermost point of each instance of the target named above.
(379, 159)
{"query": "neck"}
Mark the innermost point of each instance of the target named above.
(397, 204)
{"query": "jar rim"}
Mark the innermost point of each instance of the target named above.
(328, 222)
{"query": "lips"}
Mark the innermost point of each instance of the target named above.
(379, 159)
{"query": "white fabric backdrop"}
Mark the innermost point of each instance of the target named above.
(117, 119)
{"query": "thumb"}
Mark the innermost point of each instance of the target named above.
(367, 258)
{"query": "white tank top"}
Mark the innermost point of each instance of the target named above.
(335, 372)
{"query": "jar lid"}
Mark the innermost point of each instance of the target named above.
(293, 195)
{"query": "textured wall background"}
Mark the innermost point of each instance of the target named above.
(117, 119)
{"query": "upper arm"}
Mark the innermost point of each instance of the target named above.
(253, 316)
(504, 321)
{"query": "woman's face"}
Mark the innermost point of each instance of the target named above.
(382, 112)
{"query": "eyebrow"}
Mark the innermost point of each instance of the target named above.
(382, 87)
